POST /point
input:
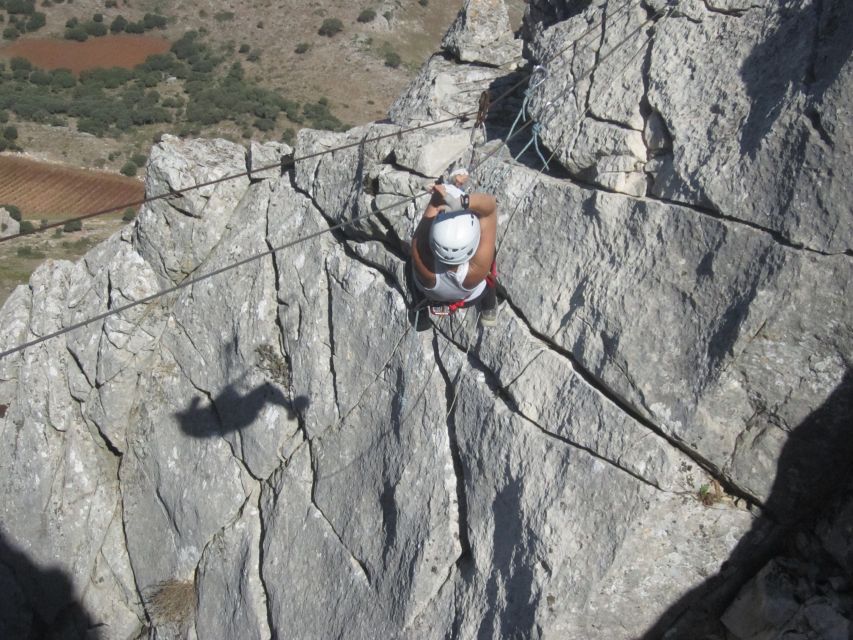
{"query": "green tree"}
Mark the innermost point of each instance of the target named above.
(10, 133)
(129, 168)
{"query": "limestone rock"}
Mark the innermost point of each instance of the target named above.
(274, 433)
(481, 34)
(8, 225)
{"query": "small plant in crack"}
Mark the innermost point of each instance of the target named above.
(274, 365)
(710, 494)
(172, 602)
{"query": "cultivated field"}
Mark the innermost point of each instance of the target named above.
(109, 51)
(49, 191)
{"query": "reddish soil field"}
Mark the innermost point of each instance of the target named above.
(42, 190)
(107, 51)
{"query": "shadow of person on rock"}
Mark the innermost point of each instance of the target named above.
(814, 468)
(232, 411)
(37, 603)
(823, 28)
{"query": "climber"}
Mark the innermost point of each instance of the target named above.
(453, 251)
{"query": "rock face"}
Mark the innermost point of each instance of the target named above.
(660, 420)
(8, 225)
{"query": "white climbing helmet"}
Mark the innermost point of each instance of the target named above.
(455, 236)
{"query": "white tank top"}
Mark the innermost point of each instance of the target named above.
(448, 285)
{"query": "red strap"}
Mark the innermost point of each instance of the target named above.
(491, 281)
(455, 306)
(492, 277)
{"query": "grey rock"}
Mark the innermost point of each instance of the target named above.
(767, 604)
(264, 161)
(8, 225)
(278, 435)
(481, 34)
(231, 597)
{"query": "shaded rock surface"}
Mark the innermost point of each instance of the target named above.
(663, 407)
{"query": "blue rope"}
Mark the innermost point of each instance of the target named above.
(524, 113)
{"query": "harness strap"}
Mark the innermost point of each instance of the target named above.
(453, 307)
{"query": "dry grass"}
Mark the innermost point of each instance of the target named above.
(172, 602)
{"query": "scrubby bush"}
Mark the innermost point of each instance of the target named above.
(244, 48)
(138, 159)
(95, 29)
(62, 79)
(98, 17)
(36, 21)
(302, 47)
(331, 27)
(254, 55)
(264, 124)
(118, 24)
(129, 214)
(368, 15)
(29, 252)
(320, 117)
(11, 33)
(223, 16)
(77, 33)
(71, 23)
(40, 78)
(134, 27)
(18, 63)
(392, 59)
(4, 116)
(27, 227)
(129, 168)
(154, 21)
(423, 3)
(10, 133)
(72, 225)
(94, 126)
(26, 7)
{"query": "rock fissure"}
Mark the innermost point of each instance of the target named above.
(735, 13)
(360, 563)
(331, 322)
(510, 403)
(262, 580)
(455, 455)
(625, 406)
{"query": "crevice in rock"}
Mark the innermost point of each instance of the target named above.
(735, 13)
(626, 407)
(813, 118)
(330, 316)
(262, 578)
(775, 235)
(509, 402)
(364, 569)
(612, 123)
(456, 457)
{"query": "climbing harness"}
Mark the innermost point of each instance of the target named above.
(444, 310)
